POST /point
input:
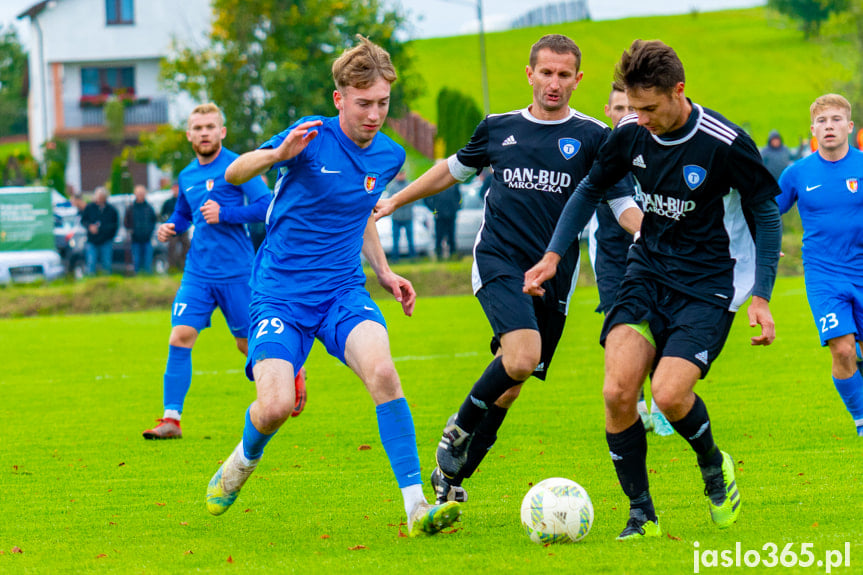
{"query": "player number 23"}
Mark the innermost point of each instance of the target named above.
(829, 321)
(273, 322)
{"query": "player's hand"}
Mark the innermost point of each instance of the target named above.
(383, 208)
(759, 314)
(401, 289)
(543, 271)
(297, 140)
(210, 211)
(165, 232)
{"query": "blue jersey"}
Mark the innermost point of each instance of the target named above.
(220, 252)
(829, 197)
(323, 199)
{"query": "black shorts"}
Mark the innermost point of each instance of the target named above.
(508, 309)
(682, 326)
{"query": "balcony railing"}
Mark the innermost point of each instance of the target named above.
(149, 111)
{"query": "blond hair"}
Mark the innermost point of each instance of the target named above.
(362, 65)
(209, 108)
(829, 101)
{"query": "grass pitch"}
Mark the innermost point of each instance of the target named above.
(81, 491)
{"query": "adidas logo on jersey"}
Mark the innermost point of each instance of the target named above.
(638, 162)
(510, 141)
(702, 357)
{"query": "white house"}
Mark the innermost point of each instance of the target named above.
(83, 51)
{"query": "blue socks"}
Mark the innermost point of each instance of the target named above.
(253, 440)
(396, 427)
(851, 392)
(178, 377)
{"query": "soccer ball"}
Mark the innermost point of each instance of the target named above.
(556, 510)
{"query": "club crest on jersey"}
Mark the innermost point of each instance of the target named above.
(694, 176)
(210, 184)
(370, 181)
(851, 184)
(568, 147)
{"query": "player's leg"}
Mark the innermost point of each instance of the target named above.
(690, 349)
(513, 318)
(847, 377)
(190, 314)
(234, 300)
(837, 307)
(271, 408)
(366, 351)
(277, 342)
(629, 355)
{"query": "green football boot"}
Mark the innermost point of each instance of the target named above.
(723, 497)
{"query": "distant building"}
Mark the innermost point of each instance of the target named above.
(84, 51)
(553, 13)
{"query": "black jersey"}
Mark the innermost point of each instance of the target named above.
(697, 183)
(537, 165)
(608, 246)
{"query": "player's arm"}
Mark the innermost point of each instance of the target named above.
(789, 190)
(179, 221)
(758, 190)
(373, 251)
(460, 166)
(259, 198)
(435, 180)
(257, 162)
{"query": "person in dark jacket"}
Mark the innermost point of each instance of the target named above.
(140, 220)
(776, 155)
(101, 221)
(444, 206)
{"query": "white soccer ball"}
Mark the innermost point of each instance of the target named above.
(556, 510)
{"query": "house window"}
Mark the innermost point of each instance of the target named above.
(120, 11)
(97, 84)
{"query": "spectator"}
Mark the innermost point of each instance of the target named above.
(776, 155)
(178, 245)
(140, 220)
(444, 206)
(403, 218)
(101, 221)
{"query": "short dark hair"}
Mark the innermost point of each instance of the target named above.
(362, 65)
(557, 43)
(616, 87)
(649, 64)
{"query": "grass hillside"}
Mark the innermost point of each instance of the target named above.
(750, 65)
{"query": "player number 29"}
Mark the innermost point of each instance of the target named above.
(273, 322)
(829, 321)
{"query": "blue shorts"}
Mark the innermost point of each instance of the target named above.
(287, 329)
(195, 302)
(837, 306)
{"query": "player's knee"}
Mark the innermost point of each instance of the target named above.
(273, 413)
(617, 395)
(521, 365)
(844, 352)
(669, 401)
(383, 380)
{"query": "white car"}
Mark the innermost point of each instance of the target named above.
(28, 266)
(469, 217)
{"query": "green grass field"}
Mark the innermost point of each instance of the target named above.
(750, 65)
(81, 491)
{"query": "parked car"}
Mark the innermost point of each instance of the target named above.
(121, 262)
(70, 240)
(469, 217)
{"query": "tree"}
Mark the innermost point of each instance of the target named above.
(167, 147)
(457, 117)
(13, 84)
(268, 62)
(810, 13)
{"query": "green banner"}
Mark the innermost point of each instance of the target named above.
(26, 219)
